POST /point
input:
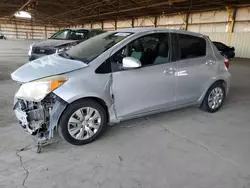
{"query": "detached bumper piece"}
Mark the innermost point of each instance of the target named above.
(39, 118)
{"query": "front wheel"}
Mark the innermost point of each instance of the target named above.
(82, 122)
(214, 98)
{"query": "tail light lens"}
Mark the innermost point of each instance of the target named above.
(227, 64)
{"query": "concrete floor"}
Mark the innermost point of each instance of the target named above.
(182, 149)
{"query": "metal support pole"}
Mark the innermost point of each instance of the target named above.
(186, 22)
(16, 30)
(133, 22)
(45, 29)
(32, 32)
(155, 21)
(232, 14)
(115, 24)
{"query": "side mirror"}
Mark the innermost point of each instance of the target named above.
(130, 62)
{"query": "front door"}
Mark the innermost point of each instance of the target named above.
(150, 87)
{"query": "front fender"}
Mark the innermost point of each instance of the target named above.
(55, 115)
(88, 84)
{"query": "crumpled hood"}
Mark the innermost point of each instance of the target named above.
(52, 43)
(46, 66)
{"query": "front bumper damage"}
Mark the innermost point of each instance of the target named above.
(40, 119)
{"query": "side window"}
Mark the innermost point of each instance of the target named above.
(79, 35)
(191, 46)
(150, 50)
(149, 42)
(219, 45)
(104, 68)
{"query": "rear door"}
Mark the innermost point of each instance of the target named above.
(195, 68)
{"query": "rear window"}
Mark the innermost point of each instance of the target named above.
(191, 46)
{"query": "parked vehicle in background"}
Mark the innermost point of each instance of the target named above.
(225, 50)
(2, 36)
(61, 41)
(117, 76)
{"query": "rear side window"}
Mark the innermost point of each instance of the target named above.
(191, 46)
(219, 46)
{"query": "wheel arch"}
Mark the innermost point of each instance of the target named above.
(96, 99)
(220, 80)
(60, 106)
(62, 127)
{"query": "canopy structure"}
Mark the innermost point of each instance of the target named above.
(70, 12)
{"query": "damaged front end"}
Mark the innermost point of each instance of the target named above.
(36, 106)
(40, 118)
(38, 109)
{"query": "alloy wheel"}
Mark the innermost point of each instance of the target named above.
(215, 98)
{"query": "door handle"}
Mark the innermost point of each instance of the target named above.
(169, 71)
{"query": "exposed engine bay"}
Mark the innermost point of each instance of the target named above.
(39, 118)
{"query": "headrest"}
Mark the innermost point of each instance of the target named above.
(163, 50)
(137, 46)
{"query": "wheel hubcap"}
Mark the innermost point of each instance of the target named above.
(84, 123)
(215, 98)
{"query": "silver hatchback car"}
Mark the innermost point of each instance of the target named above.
(117, 76)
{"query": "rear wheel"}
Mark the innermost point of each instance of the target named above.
(82, 122)
(214, 98)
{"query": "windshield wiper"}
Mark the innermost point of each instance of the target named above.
(65, 55)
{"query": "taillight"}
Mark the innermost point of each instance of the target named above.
(227, 64)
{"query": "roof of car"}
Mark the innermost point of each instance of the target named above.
(143, 29)
(89, 29)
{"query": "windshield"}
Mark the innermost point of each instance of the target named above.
(68, 34)
(93, 47)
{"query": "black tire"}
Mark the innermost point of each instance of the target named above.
(71, 108)
(205, 106)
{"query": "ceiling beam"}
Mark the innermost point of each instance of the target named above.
(21, 8)
(129, 9)
(7, 5)
(48, 18)
(53, 3)
(90, 5)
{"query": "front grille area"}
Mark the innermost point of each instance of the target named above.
(43, 50)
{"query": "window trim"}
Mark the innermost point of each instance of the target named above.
(175, 47)
(110, 67)
(179, 49)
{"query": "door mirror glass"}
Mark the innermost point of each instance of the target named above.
(130, 62)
